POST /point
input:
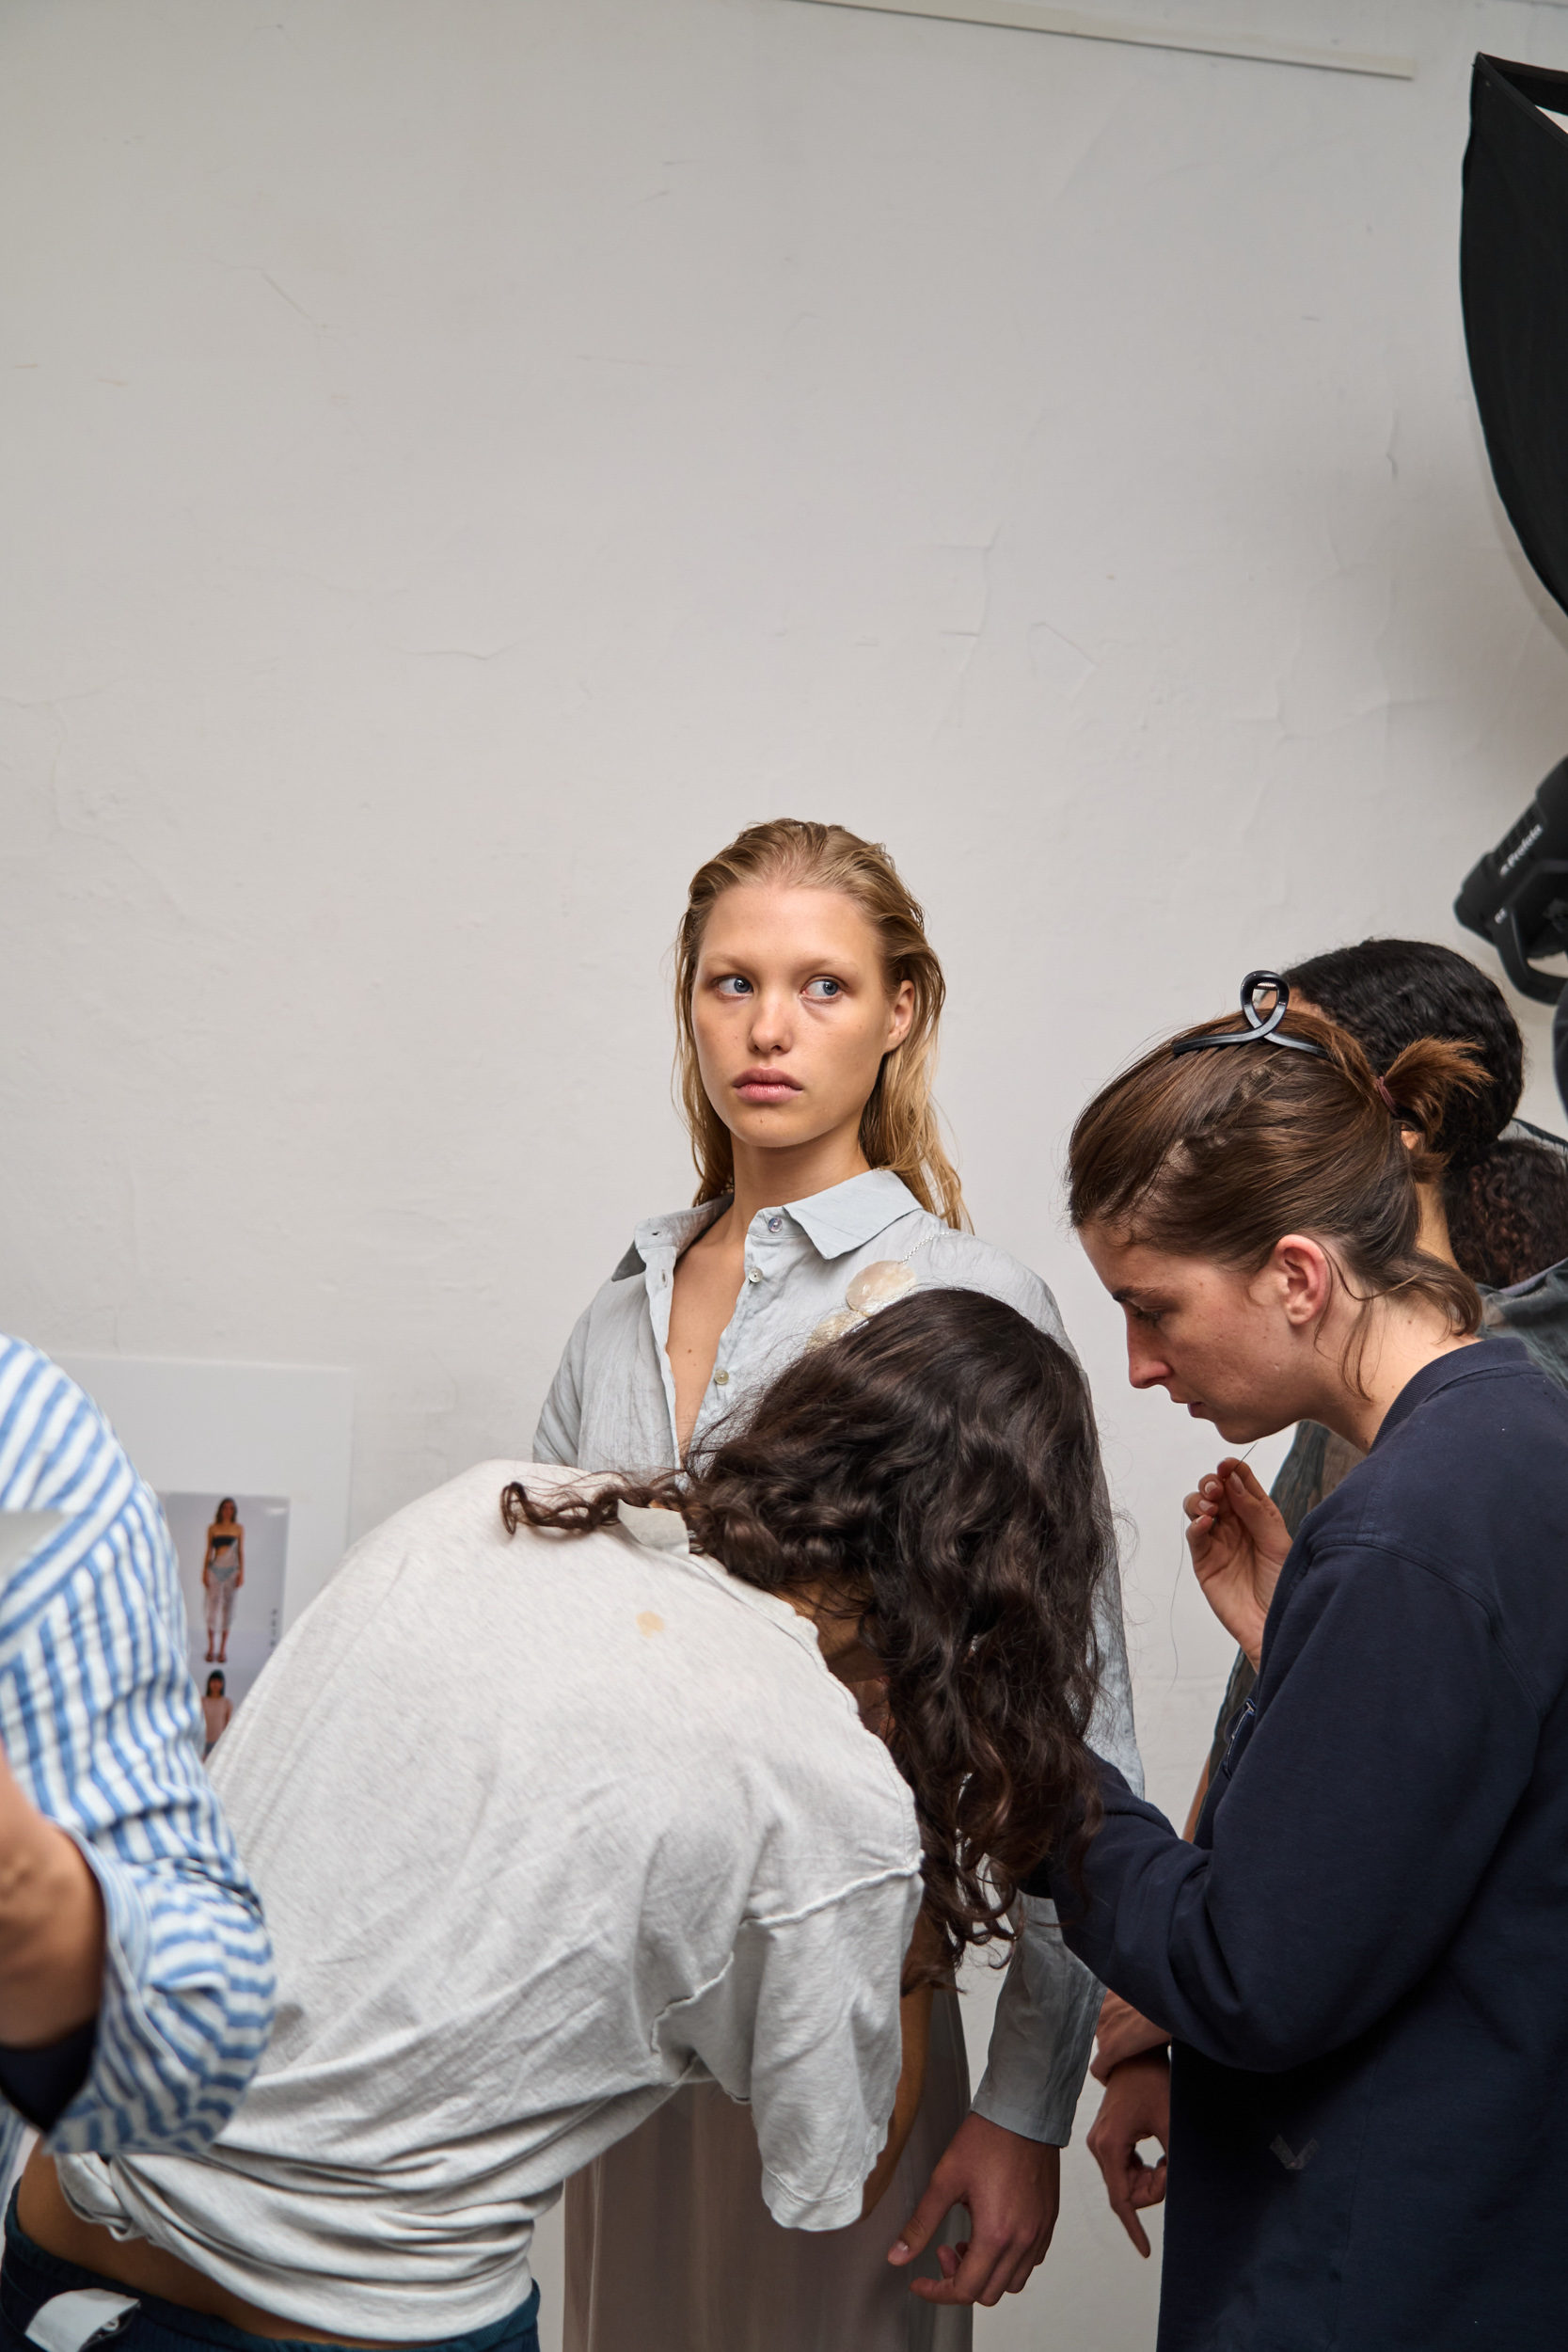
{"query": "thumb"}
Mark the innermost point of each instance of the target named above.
(922, 2225)
(1252, 1506)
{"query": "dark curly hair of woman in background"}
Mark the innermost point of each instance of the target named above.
(1508, 1215)
(935, 1471)
(1506, 1196)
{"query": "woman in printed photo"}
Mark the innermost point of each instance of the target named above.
(217, 1711)
(222, 1574)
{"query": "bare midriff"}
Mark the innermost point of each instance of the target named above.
(144, 2268)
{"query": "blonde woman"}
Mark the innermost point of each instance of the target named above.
(807, 1002)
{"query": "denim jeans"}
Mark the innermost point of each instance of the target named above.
(34, 2313)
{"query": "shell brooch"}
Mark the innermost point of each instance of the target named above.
(873, 1288)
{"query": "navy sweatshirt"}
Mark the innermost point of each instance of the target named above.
(1364, 1957)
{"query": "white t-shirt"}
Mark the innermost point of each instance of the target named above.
(543, 1826)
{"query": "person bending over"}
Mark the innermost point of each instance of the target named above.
(136, 1975)
(556, 1798)
(1359, 1954)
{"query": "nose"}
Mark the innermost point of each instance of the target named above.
(1146, 1367)
(771, 1028)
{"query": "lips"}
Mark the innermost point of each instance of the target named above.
(766, 1086)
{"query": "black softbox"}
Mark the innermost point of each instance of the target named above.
(1513, 276)
(1513, 279)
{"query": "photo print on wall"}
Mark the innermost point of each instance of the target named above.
(233, 1550)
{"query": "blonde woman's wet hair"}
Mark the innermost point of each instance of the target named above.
(898, 1127)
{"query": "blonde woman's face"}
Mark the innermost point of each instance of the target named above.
(792, 1013)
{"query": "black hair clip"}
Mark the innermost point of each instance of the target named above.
(1258, 1031)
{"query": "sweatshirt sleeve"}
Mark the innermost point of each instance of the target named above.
(1356, 1814)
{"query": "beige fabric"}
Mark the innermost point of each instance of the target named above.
(714, 2273)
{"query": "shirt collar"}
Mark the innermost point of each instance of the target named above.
(844, 1218)
(658, 1530)
(675, 1230)
(848, 1215)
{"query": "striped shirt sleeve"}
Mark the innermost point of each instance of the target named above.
(101, 1725)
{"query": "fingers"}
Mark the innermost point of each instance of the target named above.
(1136, 2108)
(1148, 2183)
(1130, 2183)
(1251, 1505)
(977, 2271)
(1116, 2158)
(1024, 2269)
(1133, 2226)
(922, 2225)
(1233, 1486)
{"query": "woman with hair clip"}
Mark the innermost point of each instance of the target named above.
(556, 1797)
(1499, 1210)
(807, 1004)
(1359, 1955)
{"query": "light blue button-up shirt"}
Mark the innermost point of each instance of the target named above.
(611, 1406)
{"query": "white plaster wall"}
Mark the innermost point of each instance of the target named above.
(464, 457)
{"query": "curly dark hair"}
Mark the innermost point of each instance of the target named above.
(1389, 993)
(1506, 1196)
(937, 1467)
(1508, 1215)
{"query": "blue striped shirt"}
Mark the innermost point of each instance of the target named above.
(102, 1727)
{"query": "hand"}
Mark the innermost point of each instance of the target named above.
(51, 1926)
(1122, 2034)
(1239, 1543)
(1011, 2187)
(1136, 2106)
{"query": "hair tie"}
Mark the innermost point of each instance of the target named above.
(1258, 1031)
(1388, 1101)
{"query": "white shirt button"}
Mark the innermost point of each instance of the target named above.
(753, 1274)
(720, 1378)
(774, 1223)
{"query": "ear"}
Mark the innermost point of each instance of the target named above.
(901, 1015)
(1304, 1273)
